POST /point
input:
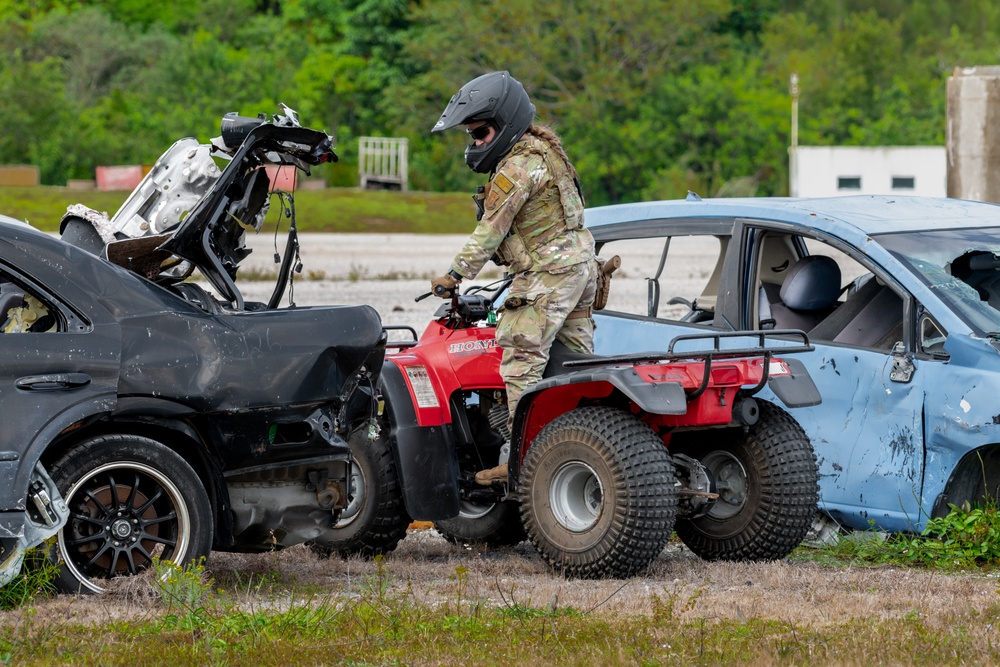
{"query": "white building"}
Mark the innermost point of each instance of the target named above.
(830, 171)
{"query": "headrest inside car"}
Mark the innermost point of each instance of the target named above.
(813, 283)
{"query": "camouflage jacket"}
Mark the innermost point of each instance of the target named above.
(532, 218)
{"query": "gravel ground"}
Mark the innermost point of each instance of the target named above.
(387, 271)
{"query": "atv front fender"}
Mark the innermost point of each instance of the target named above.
(425, 455)
(559, 394)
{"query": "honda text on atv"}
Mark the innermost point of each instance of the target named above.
(608, 455)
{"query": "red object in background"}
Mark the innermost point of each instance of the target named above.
(123, 177)
(282, 177)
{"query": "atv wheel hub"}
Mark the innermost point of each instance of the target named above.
(576, 496)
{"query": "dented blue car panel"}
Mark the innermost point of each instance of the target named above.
(902, 432)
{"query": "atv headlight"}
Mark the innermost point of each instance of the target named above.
(423, 390)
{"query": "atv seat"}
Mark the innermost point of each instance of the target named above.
(560, 354)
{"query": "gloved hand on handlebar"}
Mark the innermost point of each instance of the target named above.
(444, 285)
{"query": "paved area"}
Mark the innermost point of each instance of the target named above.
(387, 271)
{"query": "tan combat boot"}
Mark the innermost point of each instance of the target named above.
(488, 477)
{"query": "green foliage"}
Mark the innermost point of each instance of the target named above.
(651, 97)
(387, 623)
(330, 210)
(967, 537)
(377, 585)
(34, 582)
(181, 589)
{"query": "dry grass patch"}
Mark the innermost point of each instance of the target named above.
(434, 603)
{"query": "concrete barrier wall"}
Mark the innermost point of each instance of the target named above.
(22, 175)
(119, 177)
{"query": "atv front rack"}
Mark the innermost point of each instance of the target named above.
(401, 344)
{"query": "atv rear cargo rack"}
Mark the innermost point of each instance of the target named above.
(709, 355)
(715, 353)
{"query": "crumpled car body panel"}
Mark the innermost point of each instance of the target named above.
(139, 342)
(101, 339)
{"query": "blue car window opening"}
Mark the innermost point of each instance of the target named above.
(962, 266)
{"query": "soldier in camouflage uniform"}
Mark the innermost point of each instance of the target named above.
(530, 217)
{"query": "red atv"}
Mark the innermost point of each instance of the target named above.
(608, 455)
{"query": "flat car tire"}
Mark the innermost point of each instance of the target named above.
(131, 500)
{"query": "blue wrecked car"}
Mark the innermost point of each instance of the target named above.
(900, 297)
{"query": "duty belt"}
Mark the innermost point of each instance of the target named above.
(515, 302)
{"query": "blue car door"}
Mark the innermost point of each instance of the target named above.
(868, 431)
(868, 437)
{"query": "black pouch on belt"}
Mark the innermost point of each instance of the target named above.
(479, 198)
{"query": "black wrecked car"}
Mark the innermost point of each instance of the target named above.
(148, 417)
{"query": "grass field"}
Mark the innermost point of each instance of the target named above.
(433, 603)
(330, 210)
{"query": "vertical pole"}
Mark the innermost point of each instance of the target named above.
(793, 176)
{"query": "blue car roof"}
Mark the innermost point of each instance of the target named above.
(864, 214)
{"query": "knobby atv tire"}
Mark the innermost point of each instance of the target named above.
(598, 493)
(771, 514)
(131, 499)
(495, 525)
(375, 519)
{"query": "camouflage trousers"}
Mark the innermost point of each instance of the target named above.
(525, 334)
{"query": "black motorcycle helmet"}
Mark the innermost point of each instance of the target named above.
(500, 100)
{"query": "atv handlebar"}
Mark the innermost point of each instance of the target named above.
(476, 305)
(441, 291)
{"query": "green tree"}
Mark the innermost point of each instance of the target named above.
(588, 66)
(859, 83)
(93, 68)
(727, 131)
(651, 97)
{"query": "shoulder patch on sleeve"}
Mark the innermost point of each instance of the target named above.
(502, 188)
(502, 182)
